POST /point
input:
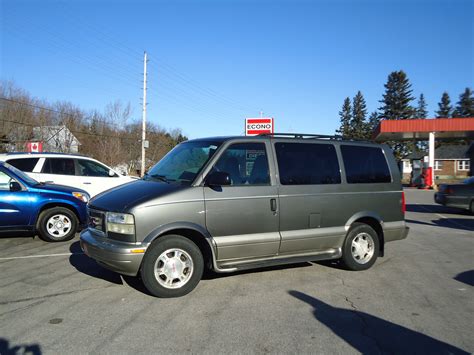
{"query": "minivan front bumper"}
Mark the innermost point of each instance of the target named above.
(123, 258)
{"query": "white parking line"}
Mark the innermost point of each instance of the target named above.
(40, 256)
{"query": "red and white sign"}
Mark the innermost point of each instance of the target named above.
(34, 147)
(256, 126)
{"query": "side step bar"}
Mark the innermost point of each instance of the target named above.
(231, 266)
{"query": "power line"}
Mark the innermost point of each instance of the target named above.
(72, 131)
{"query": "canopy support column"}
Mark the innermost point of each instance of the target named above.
(431, 154)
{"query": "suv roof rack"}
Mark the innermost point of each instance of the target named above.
(303, 135)
(37, 153)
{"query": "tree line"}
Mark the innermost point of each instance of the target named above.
(111, 136)
(397, 103)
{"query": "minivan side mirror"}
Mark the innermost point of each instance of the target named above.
(15, 186)
(218, 178)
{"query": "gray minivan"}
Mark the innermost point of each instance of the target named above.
(234, 203)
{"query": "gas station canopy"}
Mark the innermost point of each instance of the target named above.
(419, 129)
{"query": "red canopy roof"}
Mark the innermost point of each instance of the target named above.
(396, 130)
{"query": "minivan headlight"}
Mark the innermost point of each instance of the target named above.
(122, 223)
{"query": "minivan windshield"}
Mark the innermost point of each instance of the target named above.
(183, 162)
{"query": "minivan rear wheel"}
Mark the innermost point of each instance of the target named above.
(361, 247)
(172, 266)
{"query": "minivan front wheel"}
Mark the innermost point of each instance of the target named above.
(172, 266)
(361, 247)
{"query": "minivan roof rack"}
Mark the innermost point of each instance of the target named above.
(302, 135)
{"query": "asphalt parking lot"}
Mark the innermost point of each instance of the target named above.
(418, 298)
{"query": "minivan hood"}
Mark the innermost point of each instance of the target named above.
(124, 197)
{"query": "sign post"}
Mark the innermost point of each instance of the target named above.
(256, 126)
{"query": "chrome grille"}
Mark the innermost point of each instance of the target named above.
(96, 220)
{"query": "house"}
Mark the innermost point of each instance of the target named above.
(451, 162)
(56, 139)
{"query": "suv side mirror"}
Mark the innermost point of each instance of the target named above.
(112, 173)
(218, 178)
(15, 186)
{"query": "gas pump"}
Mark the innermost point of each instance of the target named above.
(416, 172)
(426, 178)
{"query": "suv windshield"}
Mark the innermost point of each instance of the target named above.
(183, 162)
(21, 175)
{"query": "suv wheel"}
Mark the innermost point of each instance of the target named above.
(172, 266)
(361, 247)
(57, 224)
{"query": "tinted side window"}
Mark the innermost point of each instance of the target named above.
(307, 164)
(365, 165)
(59, 166)
(90, 168)
(26, 164)
(246, 163)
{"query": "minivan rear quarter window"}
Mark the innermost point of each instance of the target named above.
(25, 164)
(365, 165)
(307, 164)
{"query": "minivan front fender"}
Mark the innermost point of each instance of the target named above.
(166, 228)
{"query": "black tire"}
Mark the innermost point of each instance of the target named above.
(151, 261)
(364, 233)
(61, 214)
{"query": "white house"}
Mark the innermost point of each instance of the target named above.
(57, 139)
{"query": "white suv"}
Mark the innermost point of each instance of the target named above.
(67, 169)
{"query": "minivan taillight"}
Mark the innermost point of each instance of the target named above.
(404, 206)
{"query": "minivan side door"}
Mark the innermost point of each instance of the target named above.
(243, 217)
(310, 181)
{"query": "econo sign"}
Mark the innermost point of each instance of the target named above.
(256, 126)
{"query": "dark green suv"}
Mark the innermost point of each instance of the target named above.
(234, 203)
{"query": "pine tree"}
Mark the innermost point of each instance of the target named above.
(444, 106)
(421, 111)
(397, 97)
(465, 105)
(372, 124)
(396, 105)
(345, 118)
(359, 112)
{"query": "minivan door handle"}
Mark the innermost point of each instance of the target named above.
(273, 204)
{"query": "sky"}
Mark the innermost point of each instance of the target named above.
(213, 63)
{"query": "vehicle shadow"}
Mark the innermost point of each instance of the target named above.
(88, 266)
(424, 208)
(369, 334)
(466, 277)
(7, 349)
(452, 223)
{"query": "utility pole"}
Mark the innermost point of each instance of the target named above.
(142, 170)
